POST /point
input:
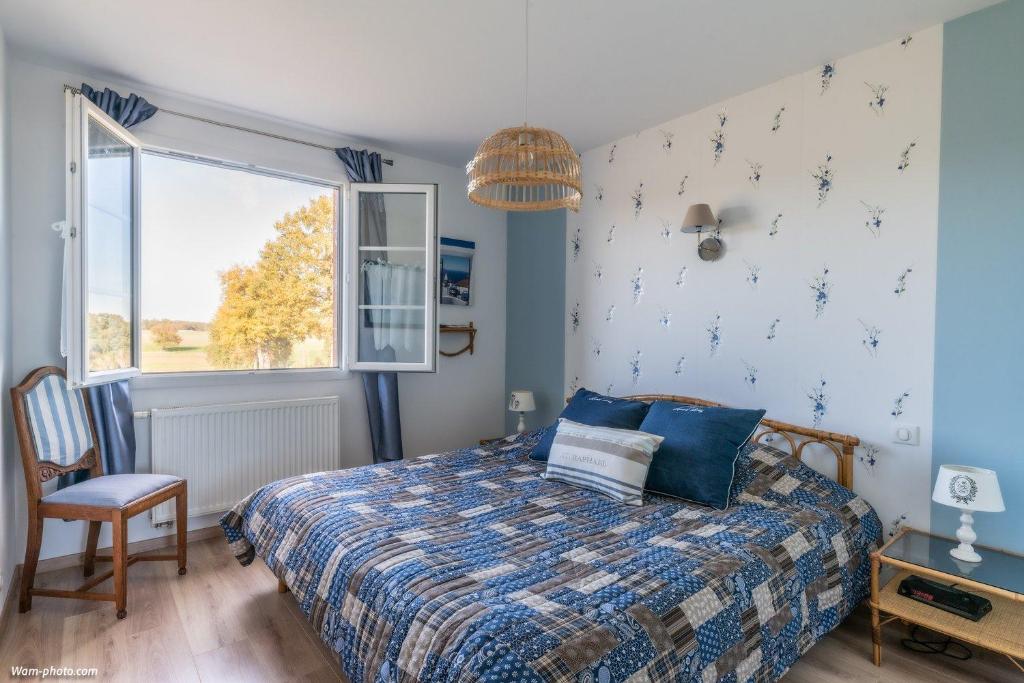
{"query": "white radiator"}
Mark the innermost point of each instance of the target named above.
(228, 451)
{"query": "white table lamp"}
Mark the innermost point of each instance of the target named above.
(521, 402)
(969, 489)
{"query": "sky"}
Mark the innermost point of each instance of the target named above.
(199, 220)
(109, 221)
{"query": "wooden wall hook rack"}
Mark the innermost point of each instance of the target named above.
(465, 329)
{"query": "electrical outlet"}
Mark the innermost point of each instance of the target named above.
(906, 434)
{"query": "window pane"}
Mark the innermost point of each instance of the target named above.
(109, 250)
(392, 219)
(392, 278)
(238, 269)
(391, 335)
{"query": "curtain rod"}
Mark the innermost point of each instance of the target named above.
(254, 131)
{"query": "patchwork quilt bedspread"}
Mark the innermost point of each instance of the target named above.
(467, 566)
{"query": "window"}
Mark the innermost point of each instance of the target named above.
(179, 264)
(99, 292)
(237, 269)
(393, 228)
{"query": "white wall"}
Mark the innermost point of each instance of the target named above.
(455, 407)
(863, 268)
(10, 476)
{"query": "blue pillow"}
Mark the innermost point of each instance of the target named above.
(697, 459)
(590, 408)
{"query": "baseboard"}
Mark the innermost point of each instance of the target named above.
(10, 601)
(76, 559)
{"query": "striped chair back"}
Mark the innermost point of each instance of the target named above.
(58, 421)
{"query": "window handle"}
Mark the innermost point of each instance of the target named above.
(66, 231)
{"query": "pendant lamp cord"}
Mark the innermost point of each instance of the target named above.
(526, 86)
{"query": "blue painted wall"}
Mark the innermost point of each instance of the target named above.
(535, 330)
(979, 339)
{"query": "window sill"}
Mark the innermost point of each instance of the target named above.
(237, 378)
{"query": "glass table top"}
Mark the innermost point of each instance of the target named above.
(997, 568)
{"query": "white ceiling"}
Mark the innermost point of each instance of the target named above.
(433, 78)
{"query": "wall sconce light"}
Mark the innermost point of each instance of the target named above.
(698, 220)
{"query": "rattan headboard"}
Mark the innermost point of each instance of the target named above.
(841, 445)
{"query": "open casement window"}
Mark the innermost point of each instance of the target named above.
(391, 279)
(100, 322)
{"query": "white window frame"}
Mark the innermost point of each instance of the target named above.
(79, 111)
(352, 308)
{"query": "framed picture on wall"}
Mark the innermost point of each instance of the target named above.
(456, 271)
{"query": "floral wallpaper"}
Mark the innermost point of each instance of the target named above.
(821, 309)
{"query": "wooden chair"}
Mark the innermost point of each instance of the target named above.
(57, 435)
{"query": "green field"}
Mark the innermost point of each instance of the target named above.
(190, 355)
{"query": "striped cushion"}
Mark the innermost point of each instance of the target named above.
(57, 420)
(607, 460)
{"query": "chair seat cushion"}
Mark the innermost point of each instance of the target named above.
(112, 490)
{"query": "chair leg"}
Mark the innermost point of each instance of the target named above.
(120, 557)
(28, 573)
(90, 548)
(181, 526)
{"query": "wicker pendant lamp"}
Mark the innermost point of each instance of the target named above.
(525, 168)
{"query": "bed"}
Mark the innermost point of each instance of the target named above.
(468, 566)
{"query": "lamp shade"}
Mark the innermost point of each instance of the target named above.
(525, 169)
(968, 488)
(521, 401)
(699, 218)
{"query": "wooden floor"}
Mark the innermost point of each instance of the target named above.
(225, 622)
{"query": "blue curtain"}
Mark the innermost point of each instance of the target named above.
(380, 388)
(361, 166)
(115, 428)
(125, 110)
